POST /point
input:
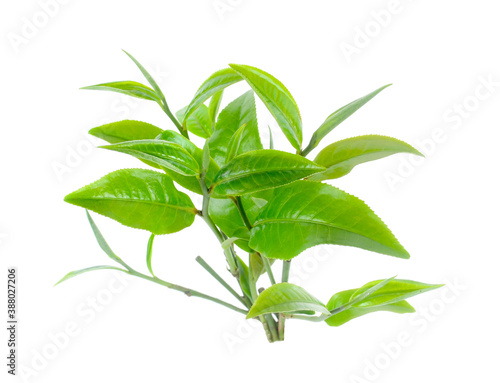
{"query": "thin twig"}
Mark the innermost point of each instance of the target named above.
(214, 274)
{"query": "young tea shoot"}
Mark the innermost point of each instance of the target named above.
(264, 206)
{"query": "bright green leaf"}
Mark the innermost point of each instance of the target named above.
(341, 157)
(214, 84)
(139, 198)
(235, 143)
(342, 298)
(257, 266)
(162, 153)
(239, 112)
(126, 130)
(226, 216)
(213, 107)
(277, 99)
(285, 298)
(244, 277)
(130, 88)
(305, 214)
(149, 254)
(189, 182)
(198, 122)
(148, 77)
(205, 160)
(260, 170)
(394, 291)
(271, 140)
(337, 117)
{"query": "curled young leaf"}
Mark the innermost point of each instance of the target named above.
(214, 84)
(277, 99)
(239, 112)
(198, 122)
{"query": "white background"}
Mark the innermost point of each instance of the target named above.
(444, 209)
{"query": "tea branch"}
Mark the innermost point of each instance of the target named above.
(214, 274)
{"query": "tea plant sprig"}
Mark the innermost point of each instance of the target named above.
(267, 203)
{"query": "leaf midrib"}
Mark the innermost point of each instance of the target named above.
(225, 180)
(190, 210)
(309, 221)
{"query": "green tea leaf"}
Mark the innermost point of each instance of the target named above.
(198, 121)
(285, 298)
(162, 153)
(262, 169)
(244, 277)
(337, 117)
(394, 291)
(277, 99)
(257, 266)
(126, 130)
(78, 272)
(226, 216)
(139, 198)
(205, 161)
(235, 143)
(148, 77)
(213, 107)
(305, 214)
(149, 254)
(341, 157)
(130, 88)
(343, 297)
(101, 241)
(239, 112)
(271, 141)
(214, 84)
(189, 182)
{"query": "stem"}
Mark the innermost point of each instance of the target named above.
(241, 209)
(187, 291)
(282, 319)
(269, 335)
(281, 327)
(230, 257)
(308, 149)
(286, 271)
(272, 327)
(267, 321)
(214, 274)
(166, 109)
(268, 268)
